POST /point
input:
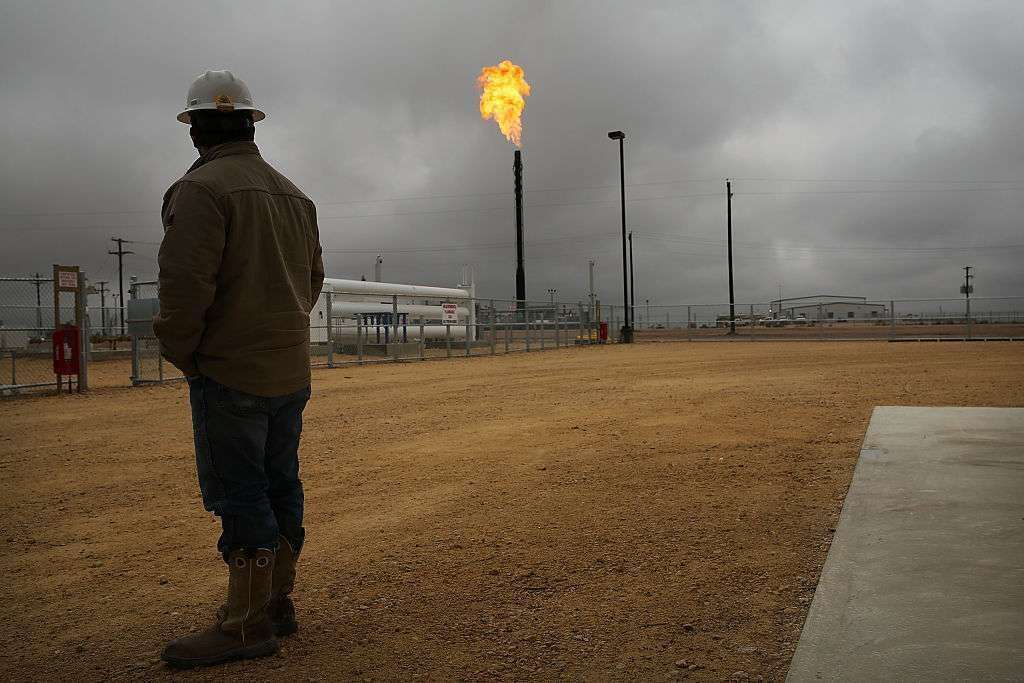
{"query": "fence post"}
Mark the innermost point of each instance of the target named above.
(81, 314)
(14, 368)
(579, 321)
(359, 337)
(394, 326)
(968, 300)
(543, 329)
(471, 305)
(329, 301)
(136, 361)
(508, 335)
(892, 318)
(689, 329)
(558, 327)
(448, 339)
(493, 330)
(422, 342)
(526, 318)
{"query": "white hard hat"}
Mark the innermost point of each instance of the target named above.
(220, 91)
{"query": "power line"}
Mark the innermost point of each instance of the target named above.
(505, 208)
(963, 247)
(470, 247)
(879, 181)
(678, 181)
(385, 199)
(900, 191)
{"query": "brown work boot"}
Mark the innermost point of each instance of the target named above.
(281, 609)
(244, 631)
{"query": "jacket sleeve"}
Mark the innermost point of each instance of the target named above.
(316, 269)
(190, 258)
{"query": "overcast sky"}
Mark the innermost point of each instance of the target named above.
(376, 101)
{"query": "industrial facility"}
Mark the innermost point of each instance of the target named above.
(827, 307)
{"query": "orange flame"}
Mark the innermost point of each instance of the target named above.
(503, 89)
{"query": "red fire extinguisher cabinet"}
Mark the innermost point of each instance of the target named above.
(66, 350)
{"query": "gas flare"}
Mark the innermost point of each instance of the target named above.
(502, 98)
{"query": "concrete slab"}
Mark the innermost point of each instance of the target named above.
(925, 576)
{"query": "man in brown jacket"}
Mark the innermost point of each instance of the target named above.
(240, 270)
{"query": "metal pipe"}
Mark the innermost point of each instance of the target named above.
(329, 297)
(517, 169)
(493, 316)
(363, 288)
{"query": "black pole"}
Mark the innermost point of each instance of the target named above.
(632, 287)
(103, 307)
(120, 253)
(39, 308)
(732, 299)
(627, 328)
(517, 167)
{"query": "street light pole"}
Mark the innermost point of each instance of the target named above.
(627, 330)
(732, 299)
(632, 287)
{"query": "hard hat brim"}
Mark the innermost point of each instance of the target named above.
(184, 117)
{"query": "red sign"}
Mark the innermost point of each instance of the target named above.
(65, 350)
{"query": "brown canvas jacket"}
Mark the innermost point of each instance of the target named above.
(240, 269)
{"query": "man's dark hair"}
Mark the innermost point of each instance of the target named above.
(211, 128)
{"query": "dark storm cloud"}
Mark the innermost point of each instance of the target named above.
(376, 100)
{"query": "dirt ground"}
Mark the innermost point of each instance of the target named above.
(652, 512)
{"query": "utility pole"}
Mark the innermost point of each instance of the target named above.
(120, 253)
(966, 289)
(103, 305)
(378, 268)
(732, 299)
(632, 291)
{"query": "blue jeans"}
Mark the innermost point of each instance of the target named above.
(247, 458)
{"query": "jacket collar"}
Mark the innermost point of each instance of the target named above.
(226, 150)
(230, 149)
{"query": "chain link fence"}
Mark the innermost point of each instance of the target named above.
(351, 327)
(357, 328)
(148, 365)
(987, 318)
(26, 332)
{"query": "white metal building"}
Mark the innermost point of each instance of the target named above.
(828, 307)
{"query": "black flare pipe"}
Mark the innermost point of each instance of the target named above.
(520, 272)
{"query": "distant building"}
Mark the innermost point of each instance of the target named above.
(828, 307)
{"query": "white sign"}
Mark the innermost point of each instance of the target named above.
(449, 314)
(67, 278)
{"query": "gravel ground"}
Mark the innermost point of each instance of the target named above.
(652, 512)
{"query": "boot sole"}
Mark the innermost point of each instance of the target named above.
(264, 649)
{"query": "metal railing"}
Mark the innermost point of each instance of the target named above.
(989, 318)
(26, 331)
(353, 328)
